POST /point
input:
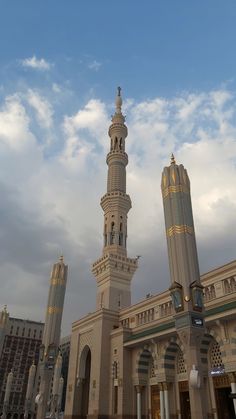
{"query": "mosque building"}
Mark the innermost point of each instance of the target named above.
(172, 355)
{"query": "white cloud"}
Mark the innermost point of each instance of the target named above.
(42, 107)
(37, 64)
(14, 124)
(56, 88)
(50, 202)
(94, 65)
(84, 131)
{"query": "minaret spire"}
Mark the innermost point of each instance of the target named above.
(118, 100)
(172, 159)
(116, 205)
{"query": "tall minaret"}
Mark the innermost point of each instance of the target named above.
(186, 289)
(4, 318)
(51, 336)
(114, 270)
(52, 328)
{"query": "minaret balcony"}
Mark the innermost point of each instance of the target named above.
(114, 262)
(118, 128)
(117, 200)
(117, 155)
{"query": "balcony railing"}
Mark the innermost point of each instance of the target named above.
(161, 308)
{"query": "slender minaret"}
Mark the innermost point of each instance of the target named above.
(6, 400)
(186, 289)
(114, 271)
(52, 328)
(51, 336)
(29, 391)
(4, 318)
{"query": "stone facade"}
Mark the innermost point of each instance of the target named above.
(65, 353)
(137, 361)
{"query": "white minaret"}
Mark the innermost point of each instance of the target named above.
(114, 271)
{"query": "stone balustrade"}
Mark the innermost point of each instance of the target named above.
(162, 308)
(145, 316)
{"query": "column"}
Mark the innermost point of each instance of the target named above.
(162, 401)
(212, 396)
(166, 400)
(139, 407)
(232, 378)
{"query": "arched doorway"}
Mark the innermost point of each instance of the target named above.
(85, 368)
(149, 392)
(176, 386)
(183, 387)
(221, 383)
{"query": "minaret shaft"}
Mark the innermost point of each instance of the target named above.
(52, 328)
(113, 285)
(186, 289)
(181, 242)
(51, 337)
(116, 203)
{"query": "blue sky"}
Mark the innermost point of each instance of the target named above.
(60, 64)
(154, 47)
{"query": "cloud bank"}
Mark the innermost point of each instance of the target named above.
(50, 191)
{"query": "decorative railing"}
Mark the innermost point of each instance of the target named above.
(229, 285)
(145, 316)
(161, 307)
(209, 293)
(166, 309)
(125, 322)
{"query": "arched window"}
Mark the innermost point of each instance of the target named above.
(105, 235)
(115, 370)
(181, 366)
(121, 235)
(215, 356)
(121, 144)
(101, 301)
(112, 232)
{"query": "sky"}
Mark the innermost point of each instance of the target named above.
(60, 65)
